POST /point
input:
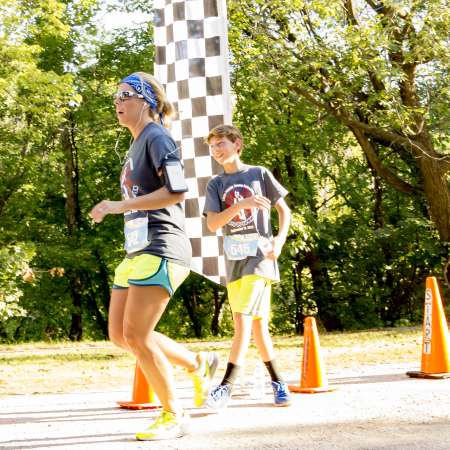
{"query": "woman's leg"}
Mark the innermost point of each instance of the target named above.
(176, 353)
(144, 308)
(115, 317)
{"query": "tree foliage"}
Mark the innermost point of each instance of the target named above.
(378, 68)
(344, 101)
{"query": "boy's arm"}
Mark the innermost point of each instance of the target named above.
(284, 220)
(216, 220)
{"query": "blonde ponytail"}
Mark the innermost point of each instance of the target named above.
(164, 110)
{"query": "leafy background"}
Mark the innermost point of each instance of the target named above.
(344, 101)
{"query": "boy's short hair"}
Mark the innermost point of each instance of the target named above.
(230, 132)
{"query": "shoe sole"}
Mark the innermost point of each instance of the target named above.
(159, 438)
(184, 430)
(217, 408)
(280, 405)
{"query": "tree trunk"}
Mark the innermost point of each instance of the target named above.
(73, 214)
(104, 290)
(322, 291)
(377, 200)
(218, 303)
(190, 302)
(437, 193)
(95, 313)
(298, 292)
(73, 219)
(76, 329)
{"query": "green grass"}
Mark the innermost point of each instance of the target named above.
(93, 366)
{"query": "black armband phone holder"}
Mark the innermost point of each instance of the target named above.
(174, 176)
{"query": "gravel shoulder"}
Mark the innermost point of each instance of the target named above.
(373, 407)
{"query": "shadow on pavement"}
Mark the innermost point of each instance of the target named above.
(59, 441)
(367, 379)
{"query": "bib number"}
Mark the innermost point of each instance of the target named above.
(136, 234)
(241, 246)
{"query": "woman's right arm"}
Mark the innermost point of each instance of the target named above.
(161, 198)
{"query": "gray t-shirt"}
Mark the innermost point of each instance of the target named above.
(160, 232)
(247, 233)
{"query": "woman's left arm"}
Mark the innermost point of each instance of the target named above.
(158, 199)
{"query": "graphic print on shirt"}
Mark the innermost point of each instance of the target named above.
(244, 221)
(136, 230)
(126, 184)
(241, 241)
(128, 189)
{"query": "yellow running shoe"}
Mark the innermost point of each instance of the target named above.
(203, 375)
(167, 426)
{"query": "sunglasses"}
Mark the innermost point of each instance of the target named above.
(125, 95)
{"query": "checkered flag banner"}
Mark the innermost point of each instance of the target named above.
(191, 62)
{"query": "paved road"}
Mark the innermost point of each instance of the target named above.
(372, 408)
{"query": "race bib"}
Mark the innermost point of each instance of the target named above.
(136, 234)
(240, 246)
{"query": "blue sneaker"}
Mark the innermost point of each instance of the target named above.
(281, 393)
(219, 396)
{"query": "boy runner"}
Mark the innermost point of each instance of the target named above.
(239, 201)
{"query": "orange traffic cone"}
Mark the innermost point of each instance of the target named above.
(143, 396)
(435, 343)
(313, 377)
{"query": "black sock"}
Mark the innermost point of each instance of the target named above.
(231, 374)
(272, 369)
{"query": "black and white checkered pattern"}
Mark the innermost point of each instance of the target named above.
(191, 62)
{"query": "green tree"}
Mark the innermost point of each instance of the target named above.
(300, 70)
(45, 48)
(14, 261)
(378, 68)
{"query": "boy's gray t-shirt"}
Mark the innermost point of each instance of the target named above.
(160, 232)
(224, 190)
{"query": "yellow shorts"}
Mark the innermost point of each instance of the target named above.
(250, 295)
(149, 270)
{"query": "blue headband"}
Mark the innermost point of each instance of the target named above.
(142, 87)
